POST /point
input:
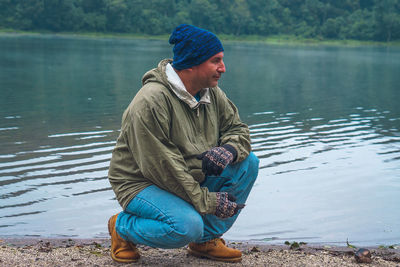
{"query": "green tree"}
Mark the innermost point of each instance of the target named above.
(354, 19)
(332, 27)
(204, 14)
(361, 25)
(387, 19)
(239, 15)
(59, 15)
(269, 17)
(117, 16)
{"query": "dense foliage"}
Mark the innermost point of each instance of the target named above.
(335, 19)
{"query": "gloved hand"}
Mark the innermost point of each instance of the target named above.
(215, 160)
(226, 205)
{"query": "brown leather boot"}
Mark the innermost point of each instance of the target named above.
(215, 249)
(121, 250)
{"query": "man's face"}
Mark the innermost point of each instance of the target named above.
(208, 73)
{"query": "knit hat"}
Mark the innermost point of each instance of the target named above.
(193, 46)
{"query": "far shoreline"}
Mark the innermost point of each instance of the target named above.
(285, 40)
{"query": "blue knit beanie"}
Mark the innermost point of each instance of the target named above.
(193, 46)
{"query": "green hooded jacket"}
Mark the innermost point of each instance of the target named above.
(163, 130)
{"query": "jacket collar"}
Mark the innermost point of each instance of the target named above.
(180, 91)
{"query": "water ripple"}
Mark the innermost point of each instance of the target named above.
(79, 133)
(280, 141)
(73, 169)
(23, 214)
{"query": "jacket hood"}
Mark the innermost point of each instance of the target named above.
(157, 74)
(165, 75)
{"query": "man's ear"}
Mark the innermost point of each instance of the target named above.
(184, 71)
(188, 71)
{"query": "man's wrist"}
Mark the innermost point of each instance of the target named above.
(231, 149)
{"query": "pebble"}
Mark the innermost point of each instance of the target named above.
(363, 255)
(92, 255)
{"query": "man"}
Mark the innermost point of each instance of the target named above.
(182, 166)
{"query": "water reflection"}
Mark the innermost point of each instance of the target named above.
(324, 170)
(325, 180)
(328, 142)
(36, 185)
(284, 134)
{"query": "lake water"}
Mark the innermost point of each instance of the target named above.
(324, 121)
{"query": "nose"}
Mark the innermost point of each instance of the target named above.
(221, 68)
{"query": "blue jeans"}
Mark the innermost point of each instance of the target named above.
(158, 218)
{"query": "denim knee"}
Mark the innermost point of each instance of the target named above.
(253, 161)
(188, 228)
(251, 165)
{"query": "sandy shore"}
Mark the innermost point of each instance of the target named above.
(96, 252)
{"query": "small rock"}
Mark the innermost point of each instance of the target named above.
(97, 245)
(363, 255)
(45, 249)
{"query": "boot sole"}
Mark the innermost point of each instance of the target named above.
(204, 255)
(113, 256)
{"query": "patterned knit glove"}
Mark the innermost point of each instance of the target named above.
(215, 160)
(226, 205)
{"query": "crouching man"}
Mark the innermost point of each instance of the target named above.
(182, 167)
